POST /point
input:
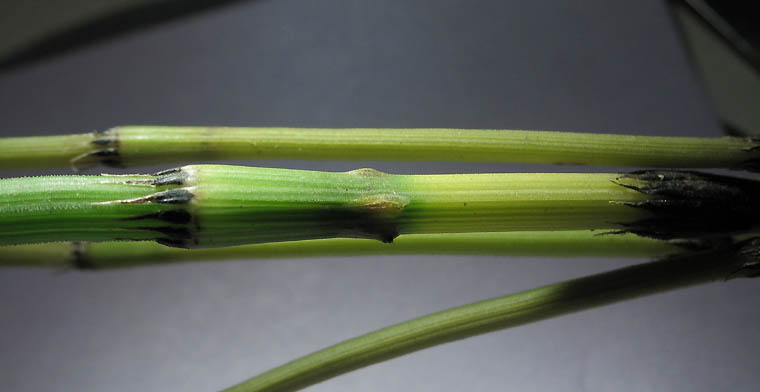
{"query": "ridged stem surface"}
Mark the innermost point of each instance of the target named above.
(219, 205)
(144, 145)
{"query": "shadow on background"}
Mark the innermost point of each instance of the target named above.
(723, 41)
(119, 21)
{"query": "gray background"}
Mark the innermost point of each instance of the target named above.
(615, 66)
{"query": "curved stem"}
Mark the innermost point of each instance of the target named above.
(509, 311)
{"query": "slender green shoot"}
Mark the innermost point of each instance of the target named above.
(557, 299)
(128, 146)
(110, 255)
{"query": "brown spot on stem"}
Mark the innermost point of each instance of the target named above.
(367, 172)
(387, 205)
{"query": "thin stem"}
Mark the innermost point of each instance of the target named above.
(44, 151)
(505, 312)
(143, 145)
(109, 255)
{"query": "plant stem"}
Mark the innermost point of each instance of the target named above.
(512, 310)
(217, 205)
(143, 145)
(45, 151)
(109, 255)
(63, 208)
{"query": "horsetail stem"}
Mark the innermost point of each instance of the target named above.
(128, 146)
(217, 205)
(653, 212)
(581, 243)
(721, 263)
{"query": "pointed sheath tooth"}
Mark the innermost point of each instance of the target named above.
(171, 196)
(689, 204)
(175, 176)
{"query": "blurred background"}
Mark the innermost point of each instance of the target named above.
(595, 66)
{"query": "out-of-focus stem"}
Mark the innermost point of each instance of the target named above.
(109, 255)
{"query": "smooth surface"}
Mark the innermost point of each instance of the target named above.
(24, 22)
(556, 65)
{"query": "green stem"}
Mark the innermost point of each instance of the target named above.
(509, 311)
(109, 255)
(63, 208)
(45, 151)
(217, 205)
(143, 145)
